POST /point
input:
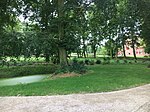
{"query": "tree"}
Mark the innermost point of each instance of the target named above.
(144, 13)
(133, 23)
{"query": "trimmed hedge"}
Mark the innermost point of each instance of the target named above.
(27, 70)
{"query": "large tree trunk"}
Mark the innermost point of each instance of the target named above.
(62, 50)
(62, 55)
(84, 50)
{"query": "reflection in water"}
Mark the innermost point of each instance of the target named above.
(21, 80)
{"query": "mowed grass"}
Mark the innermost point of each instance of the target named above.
(100, 78)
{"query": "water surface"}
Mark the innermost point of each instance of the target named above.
(21, 80)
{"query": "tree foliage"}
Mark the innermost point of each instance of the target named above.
(59, 27)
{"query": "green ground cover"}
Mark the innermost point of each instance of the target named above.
(99, 78)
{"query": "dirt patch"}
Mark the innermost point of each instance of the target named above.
(65, 75)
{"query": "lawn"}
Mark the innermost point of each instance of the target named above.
(99, 78)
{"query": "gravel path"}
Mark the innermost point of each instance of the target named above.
(130, 100)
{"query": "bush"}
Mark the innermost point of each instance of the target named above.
(86, 62)
(98, 61)
(27, 70)
(75, 66)
(106, 58)
(148, 66)
(117, 61)
(125, 61)
(130, 62)
(106, 62)
(55, 59)
(81, 62)
(91, 62)
(145, 56)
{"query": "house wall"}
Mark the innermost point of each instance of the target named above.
(129, 51)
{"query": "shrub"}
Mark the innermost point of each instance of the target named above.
(125, 61)
(81, 62)
(145, 56)
(27, 70)
(106, 62)
(148, 66)
(104, 59)
(55, 59)
(130, 62)
(86, 62)
(91, 62)
(75, 66)
(135, 61)
(98, 61)
(117, 61)
(107, 58)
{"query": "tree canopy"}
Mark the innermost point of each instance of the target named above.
(55, 28)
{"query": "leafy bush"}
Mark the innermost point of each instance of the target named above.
(91, 62)
(81, 62)
(125, 61)
(75, 66)
(27, 70)
(117, 61)
(148, 66)
(86, 62)
(145, 56)
(106, 58)
(55, 59)
(106, 62)
(130, 62)
(135, 61)
(98, 62)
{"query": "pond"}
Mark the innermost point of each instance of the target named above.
(21, 80)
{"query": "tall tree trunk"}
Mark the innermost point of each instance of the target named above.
(62, 55)
(116, 53)
(62, 50)
(133, 46)
(84, 53)
(84, 50)
(95, 53)
(111, 53)
(124, 52)
(47, 59)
